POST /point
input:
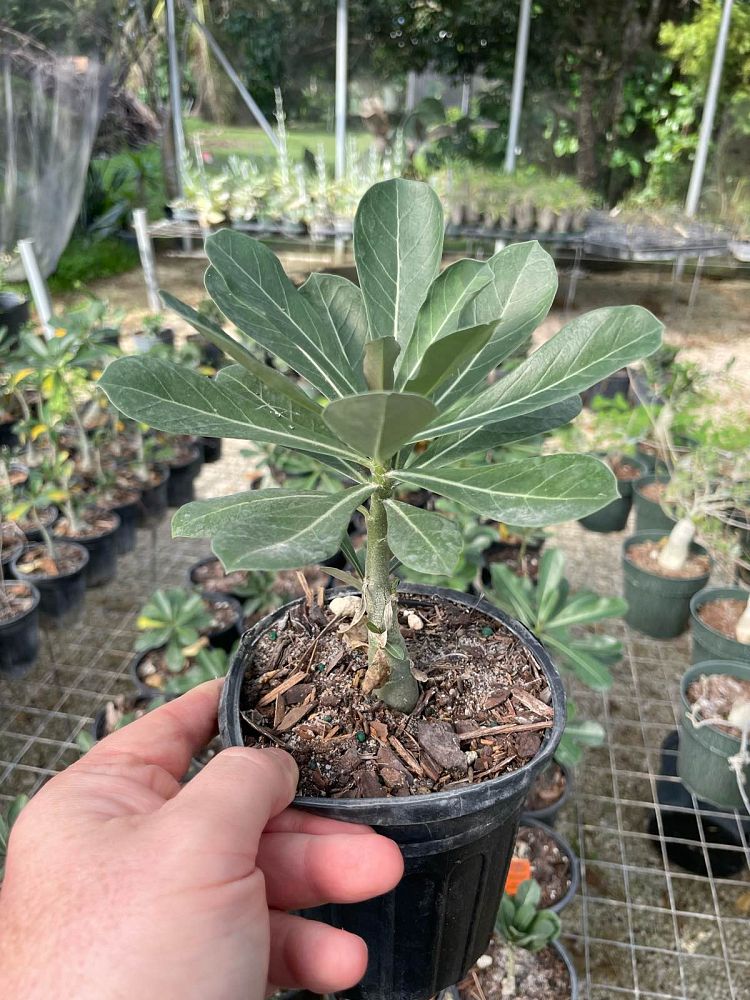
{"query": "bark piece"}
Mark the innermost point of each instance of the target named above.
(440, 742)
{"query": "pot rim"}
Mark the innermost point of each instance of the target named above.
(564, 846)
(708, 596)
(230, 726)
(29, 577)
(654, 536)
(705, 667)
(554, 807)
(36, 596)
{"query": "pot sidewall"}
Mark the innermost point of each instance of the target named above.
(19, 640)
(707, 643)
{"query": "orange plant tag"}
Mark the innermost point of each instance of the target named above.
(518, 873)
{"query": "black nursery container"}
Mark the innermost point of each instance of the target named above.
(61, 597)
(425, 934)
(614, 516)
(126, 535)
(48, 518)
(102, 550)
(153, 505)
(211, 449)
(225, 638)
(180, 486)
(548, 814)
(19, 637)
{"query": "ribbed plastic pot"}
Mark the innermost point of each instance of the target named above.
(614, 516)
(61, 598)
(102, 550)
(658, 606)
(708, 644)
(648, 514)
(702, 761)
(564, 848)
(425, 934)
(154, 502)
(211, 449)
(226, 637)
(126, 537)
(548, 814)
(181, 484)
(19, 639)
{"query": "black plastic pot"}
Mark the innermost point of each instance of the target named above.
(227, 637)
(708, 644)
(61, 598)
(34, 534)
(511, 550)
(14, 314)
(548, 815)
(702, 762)
(144, 690)
(682, 828)
(8, 436)
(564, 848)
(211, 449)
(102, 550)
(98, 726)
(614, 516)
(564, 955)
(648, 514)
(616, 384)
(425, 934)
(180, 485)
(202, 586)
(658, 606)
(126, 536)
(19, 638)
(154, 504)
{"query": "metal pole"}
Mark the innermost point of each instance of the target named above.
(411, 90)
(709, 110)
(175, 101)
(146, 250)
(466, 95)
(342, 42)
(519, 74)
(38, 285)
(231, 73)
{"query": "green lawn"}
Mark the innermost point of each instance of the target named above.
(224, 140)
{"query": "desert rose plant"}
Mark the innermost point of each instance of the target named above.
(397, 373)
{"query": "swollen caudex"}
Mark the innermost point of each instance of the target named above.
(742, 631)
(674, 555)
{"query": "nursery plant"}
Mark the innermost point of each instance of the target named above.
(522, 924)
(173, 619)
(399, 361)
(552, 613)
(400, 365)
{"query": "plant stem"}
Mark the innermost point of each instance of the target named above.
(45, 536)
(27, 419)
(675, 553)
(83, 440)
(389, 672)
(742, 633)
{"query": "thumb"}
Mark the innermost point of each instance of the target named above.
(227, 805)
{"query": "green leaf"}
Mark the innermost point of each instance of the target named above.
(14, 809)
(568, 752)
(439, 314)
(587, 349)
(421, 540)
(249, 285)
(587, 732)
(340, 303)
(379, 358)
(531, 493)
(513, 594)
(451, 448)
(587, 668)
(233, 349)
(341, 574)
(516, 301)
(376, 424)
(279, 529)
(398, 244)
(234, 404)
(587, 607)
(551, 575)
(446, 356)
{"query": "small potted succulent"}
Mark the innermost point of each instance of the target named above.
(401, 363)
(714, 760)
(524, 958)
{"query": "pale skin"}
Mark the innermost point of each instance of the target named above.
(122, 883)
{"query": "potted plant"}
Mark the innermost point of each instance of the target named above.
(649, 493)
(184, 465)
(524, 958)
(551, 861)
(720, 624)
(614, 517)
(401, 360)
(150, 475)
(19, 602)
(57, 570)
(713, 760)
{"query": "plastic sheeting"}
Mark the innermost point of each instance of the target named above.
(50, 108)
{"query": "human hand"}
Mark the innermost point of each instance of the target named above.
(121, 883)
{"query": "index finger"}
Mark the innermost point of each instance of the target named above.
(169, 735)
